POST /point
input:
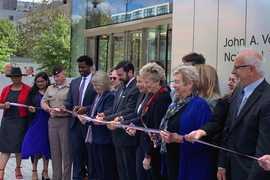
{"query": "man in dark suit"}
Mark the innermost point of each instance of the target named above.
(124, 103)
(80, 97)
(247, 127)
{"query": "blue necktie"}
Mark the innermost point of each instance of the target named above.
(239, 100)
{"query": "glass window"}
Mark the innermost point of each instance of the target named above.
(162, 9)
(128, 17)
(149, 12)
(123, 18)
(137, 15)
(10, 17)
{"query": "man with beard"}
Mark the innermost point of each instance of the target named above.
(80, 97)
(124, 103)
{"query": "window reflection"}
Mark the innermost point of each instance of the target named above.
(115, 11)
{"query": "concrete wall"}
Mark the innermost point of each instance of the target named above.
(218, 29)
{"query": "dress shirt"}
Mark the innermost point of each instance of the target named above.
(249, 90)
(87, 81)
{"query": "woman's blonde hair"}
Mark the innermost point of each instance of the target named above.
(208, 83)
(154, 72)
(103, 79)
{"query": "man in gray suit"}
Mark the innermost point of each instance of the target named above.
(247, 127)
(124, 103)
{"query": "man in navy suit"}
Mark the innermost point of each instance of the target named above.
(80, 97)
(248, 123)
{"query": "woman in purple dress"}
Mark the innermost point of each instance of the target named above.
(36, 141)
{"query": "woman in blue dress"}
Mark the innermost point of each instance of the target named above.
(36, 141)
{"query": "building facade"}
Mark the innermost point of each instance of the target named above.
(110, 31)
(141, 31)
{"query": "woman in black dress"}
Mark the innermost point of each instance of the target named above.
(14, 122)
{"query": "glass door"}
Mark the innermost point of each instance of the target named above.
(127, 46)
(103, 53)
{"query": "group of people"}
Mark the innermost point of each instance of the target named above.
(57, 123)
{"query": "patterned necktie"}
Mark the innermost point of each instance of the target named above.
(239, 100)
(94, 108)
(81, 92)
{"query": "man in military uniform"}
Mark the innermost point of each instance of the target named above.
(58, 124)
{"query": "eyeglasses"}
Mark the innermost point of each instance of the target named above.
(40, 81)
(95, 84)
(237, 67)
(114, 78)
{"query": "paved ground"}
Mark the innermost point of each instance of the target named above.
(26, 169)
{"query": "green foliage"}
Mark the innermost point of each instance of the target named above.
(46, 35)
(8, 30)
(40, 19)
(96, 17)
(54, 47)
(77, 44)
(8, 41)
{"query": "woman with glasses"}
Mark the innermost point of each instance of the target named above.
(36, 141)
(100, 136)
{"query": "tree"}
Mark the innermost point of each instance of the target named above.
(8, 41)
(39, 20)
(8, 30)
(54, 46)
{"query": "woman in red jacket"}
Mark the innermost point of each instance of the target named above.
(14, 122)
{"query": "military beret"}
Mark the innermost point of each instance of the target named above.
(57, 69)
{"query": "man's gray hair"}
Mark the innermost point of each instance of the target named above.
(256, 60)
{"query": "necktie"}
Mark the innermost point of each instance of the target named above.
(120, 96)
(81, 92)
(96, 102)
(239, 100)
(114, 92)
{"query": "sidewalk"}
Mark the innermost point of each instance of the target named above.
(26, 169)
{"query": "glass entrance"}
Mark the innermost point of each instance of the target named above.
(138, 46)
(103, 53)
(127, 46)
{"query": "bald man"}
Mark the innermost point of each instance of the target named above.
(8, 68)
(248, 123)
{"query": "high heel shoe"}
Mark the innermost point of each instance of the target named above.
(18, 173)
(3, 174)
(33, 173)
(43, 176)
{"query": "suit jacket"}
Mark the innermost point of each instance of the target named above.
(73, 95)
(125, 106)
(154, 115)
(101, 134)
(248, 133)
(219, 117)
(135, 117)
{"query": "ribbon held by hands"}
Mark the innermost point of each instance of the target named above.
(144, 130)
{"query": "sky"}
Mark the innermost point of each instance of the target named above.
(30, 0)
